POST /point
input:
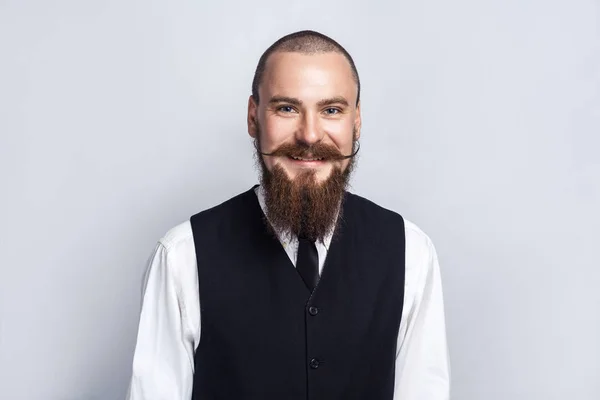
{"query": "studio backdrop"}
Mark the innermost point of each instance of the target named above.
(481, 124)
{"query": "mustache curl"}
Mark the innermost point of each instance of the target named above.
(291, 150)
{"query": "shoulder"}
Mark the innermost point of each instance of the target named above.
(180, 251)
(419, 246)
(369, 205)
(418, 243)
(226, 209)
(372, 217)
(178, 242)
(177, 236)
(177, 260)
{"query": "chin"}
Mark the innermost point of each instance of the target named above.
(321, 174)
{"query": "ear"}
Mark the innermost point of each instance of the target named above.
(252, 117)
(357, 121)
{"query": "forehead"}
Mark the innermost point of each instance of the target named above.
(308, 76)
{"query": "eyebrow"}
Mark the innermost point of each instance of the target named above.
(333, 100)
(296, 102)
(285, 99)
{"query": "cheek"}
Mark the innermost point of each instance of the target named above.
(342, 136)
(273, 133)
(277, 131)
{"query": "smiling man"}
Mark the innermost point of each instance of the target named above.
(296, 288)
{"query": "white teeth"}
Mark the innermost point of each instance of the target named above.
(307, 159)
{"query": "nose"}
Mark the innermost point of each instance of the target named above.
(310, 131)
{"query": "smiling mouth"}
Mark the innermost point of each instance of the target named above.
(306, 159)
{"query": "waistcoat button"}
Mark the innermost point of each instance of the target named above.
(314, 363)
(313, 310)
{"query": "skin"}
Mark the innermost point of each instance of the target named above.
(306, 99)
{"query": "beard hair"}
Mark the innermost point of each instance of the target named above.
(302, 206)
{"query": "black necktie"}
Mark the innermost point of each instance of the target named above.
(307, 262)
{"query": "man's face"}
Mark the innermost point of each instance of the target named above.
(306, 100)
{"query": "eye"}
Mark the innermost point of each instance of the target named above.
(286, 109)
(332, 111)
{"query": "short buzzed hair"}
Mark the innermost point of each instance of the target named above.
(306, 42)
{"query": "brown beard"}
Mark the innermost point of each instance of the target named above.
(303, 206)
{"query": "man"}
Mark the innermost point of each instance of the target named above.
(296, 288)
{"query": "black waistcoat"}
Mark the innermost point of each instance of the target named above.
(264, 336)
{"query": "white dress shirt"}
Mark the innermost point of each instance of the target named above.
(169, 327)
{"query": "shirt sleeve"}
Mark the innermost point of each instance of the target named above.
(422, 361)
(162, 361)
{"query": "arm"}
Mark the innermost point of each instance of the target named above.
(163, 358)
(422, 362)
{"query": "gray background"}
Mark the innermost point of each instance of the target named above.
(120, 119)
